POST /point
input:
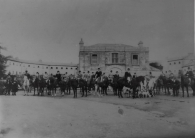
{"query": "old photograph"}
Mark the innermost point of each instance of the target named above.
(97, 69)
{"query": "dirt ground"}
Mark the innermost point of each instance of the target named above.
(162, 116)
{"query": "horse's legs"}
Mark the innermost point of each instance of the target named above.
(182, 87)
(187, 91)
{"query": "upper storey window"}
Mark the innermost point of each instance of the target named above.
(94, 59)
(114, 57)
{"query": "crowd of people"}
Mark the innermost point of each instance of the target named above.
(12, 83)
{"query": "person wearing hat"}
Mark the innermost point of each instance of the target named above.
(117, 75)
(85, 76)
(98, 74)
(110, 76)
(189, 73)
(88, 75)
(127, 74)
(134, 75)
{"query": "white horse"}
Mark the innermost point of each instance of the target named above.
(148, 85)
(26, 85)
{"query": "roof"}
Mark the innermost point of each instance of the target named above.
(153, 69)
(188, 57)
(42, 63)
(112, 47)
(192, 63)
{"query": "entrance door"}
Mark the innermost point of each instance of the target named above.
(116, 69)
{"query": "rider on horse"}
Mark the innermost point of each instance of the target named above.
(189, 74)
(58, 76)
(46, 77)
(127, 74)
(98, 74)
(79, 76)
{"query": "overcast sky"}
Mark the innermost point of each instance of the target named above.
(51, 29)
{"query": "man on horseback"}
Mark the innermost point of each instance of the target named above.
(189, 74)
(46, 76)
(127, 75)
(79, 76)
(27, 74)
(58, 76)
(98, 74)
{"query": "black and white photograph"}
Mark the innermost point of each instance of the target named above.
(97, 69)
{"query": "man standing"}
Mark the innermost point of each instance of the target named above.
(110, 76)
(127, 74)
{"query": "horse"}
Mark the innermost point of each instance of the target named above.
(8, 86)
(97, 87)
(159, 84)
(42, 85)
(152, 86)
(83, 86)
(193, 85)
(175, 86)
(74, 85)
(34, 82)
(26, 85)
(184, 82)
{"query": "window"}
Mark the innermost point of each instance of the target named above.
(56, 67)
(66, 68)
(94, 59)
(38, 66)
(75, 68)
(46, 67)
(61, 67)
(71, 68)
(114, 57)
(179, 62)
(20, 64)
(51, 67)
(169, 63)
(13, 63)
(135, 60)
(28, 65)
(174, 62)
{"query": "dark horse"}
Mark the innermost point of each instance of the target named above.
(184, 82)
(193, 85)
(83, 87)
(74, 85)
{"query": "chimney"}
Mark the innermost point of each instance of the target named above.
(81, 43)
(140, 44)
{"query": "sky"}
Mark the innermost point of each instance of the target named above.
(50, 30)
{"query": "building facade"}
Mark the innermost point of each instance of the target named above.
(17, 66)
(115, 57)
(181, 63)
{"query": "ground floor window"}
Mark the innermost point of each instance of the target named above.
(135, 59)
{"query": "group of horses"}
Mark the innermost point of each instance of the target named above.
(137, 87)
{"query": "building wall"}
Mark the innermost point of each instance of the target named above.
(105, 61)
(15, 67)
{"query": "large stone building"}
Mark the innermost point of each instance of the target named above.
(115, 57)
(18, 66)
(181, 63)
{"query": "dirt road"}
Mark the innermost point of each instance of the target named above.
(91, 117)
